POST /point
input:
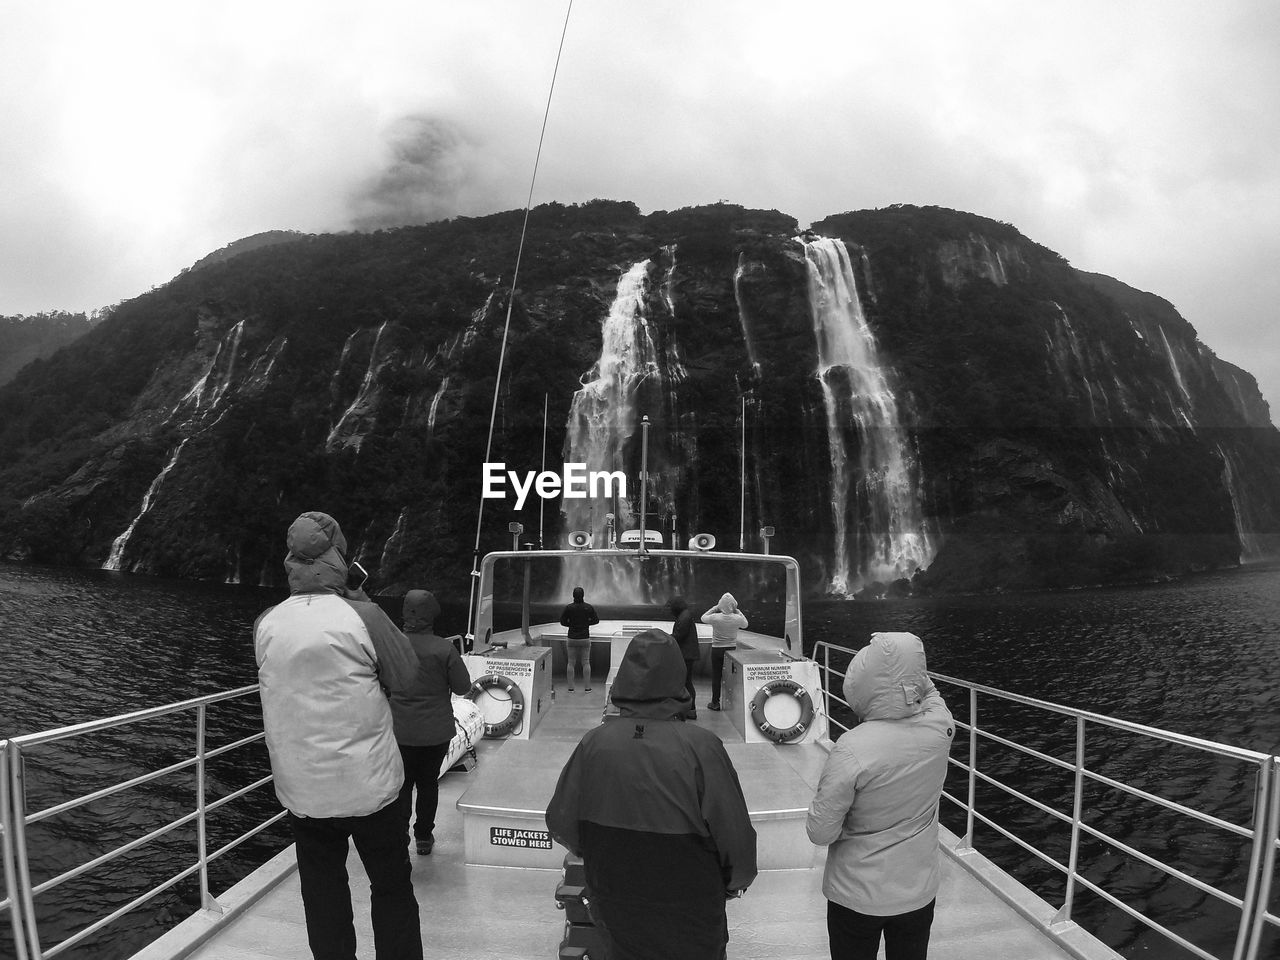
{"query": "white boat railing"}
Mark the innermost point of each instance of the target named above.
(1260, 833)
(21, 892)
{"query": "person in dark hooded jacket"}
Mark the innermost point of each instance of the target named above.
(579, 617)
(685, 633)
(654, 808)
(423, 714)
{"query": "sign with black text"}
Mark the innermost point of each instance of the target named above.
(511, 837)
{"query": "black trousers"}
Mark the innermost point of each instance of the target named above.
(688, 683)
(717, 671)
(856, 936)
(422, 770)
(383, 845)
(656, 896)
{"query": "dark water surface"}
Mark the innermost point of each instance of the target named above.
(1200, 657)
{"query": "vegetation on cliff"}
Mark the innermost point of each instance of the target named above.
(1066, 433)
(26, 339)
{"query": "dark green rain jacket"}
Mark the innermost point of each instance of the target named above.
(654, 807)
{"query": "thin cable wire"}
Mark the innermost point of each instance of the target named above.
(511, 298)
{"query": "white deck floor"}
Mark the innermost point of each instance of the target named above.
(501, 913)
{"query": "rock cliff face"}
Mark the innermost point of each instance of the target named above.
(926, 396)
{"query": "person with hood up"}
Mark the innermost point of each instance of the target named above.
(726, 620)
(877, 804)
(685, 633)
(579, 617)
(654, 808)
(324, 656)
(423, 714)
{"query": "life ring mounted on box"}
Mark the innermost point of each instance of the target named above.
(508, 724)
(790, 688)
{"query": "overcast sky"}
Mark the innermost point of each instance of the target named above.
(1137, 139)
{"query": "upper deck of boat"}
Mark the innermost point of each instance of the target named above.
(490, 912)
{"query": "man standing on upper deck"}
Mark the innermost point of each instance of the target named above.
(579, 617)
(324, 656)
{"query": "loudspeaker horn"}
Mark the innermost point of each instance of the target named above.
(702, 541)
(579, 539)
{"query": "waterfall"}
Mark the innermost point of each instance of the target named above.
(742, 313)
(233, 575)
(1082, 364)
(197, 390)
(879, 530)
(236, 333)
(473, 327)
(866, 277)
(116, 557)
(995, 264)
(1250, 548)
(668, 283)
(435, 403)
(1173, 365)
(397, 535)
(364, 403)
(335, 382)
(603, 416)
(257, 378)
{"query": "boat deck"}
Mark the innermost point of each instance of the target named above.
(489, 912)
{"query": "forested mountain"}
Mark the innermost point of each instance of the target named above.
(24, 339)
(929, 397)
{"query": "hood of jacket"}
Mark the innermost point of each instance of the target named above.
(887, 679)
(316, 560)
(727, 603)
(420, 611)
(650, 681)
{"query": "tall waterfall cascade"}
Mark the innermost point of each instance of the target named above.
(742, 312)
(366, 399)
(115, 559)
(1251, 549)
(878, 525)
(603, 417)
(197, 394)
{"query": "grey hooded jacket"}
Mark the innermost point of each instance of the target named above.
(877, 799)
(323, 660)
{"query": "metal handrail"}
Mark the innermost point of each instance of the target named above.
(1114, 784)
(21, 893)
(1262, 832)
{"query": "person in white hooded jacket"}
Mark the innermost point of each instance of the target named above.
(324, 657)
(726, 620)
(876, 805)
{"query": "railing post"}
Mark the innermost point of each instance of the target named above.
(1077, 813)
(966, 842)
(202, 840)
(826, 687)
(6, 851)
(26, 935)
(1262, 858)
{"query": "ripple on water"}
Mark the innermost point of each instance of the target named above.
(1201, 657)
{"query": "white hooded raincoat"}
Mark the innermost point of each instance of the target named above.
(877, 799)
(323, 660)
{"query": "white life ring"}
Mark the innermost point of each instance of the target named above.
(495, 731)
(791, 688)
